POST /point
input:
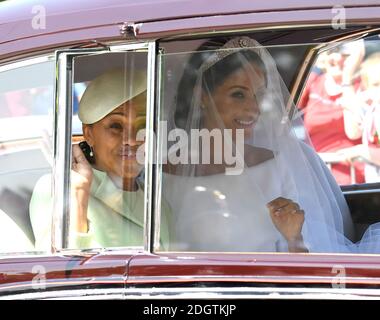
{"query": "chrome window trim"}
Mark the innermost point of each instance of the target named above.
(62, 146)
(250, 293)
(98, 294)
(11, 65)
(149, 146)
(130, 46)
(61, 184)
(62, 142)
(202, 293)
(350, 192)
(158, 171)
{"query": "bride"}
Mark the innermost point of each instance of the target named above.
(283, 198)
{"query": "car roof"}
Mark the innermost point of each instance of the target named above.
(16, 15)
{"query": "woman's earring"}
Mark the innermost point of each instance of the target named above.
(91, 155)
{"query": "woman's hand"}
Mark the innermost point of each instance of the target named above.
(353, 60)
(81, 179)
(288, 218)
(82, 170)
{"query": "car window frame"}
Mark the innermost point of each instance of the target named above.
(62, 142)
(295, 93)
(9, 65)
(61, 135)
(300, 84)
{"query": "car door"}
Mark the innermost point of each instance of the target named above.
(40, 123)
(182, 273)
(153, 271)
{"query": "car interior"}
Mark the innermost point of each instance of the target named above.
(16, 185)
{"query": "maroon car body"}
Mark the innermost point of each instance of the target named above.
(143, 273)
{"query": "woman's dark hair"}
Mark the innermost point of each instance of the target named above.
(212, 77)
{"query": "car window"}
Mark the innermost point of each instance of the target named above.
(237, 171)
(107, 187)
(339, 105)
(26, 122)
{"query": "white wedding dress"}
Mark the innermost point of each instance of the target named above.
(225, 212)
(228, 212)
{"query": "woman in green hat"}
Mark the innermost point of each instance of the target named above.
(107, 194)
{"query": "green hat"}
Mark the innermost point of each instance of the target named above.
(108, 91)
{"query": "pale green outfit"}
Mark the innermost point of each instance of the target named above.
(116, 217)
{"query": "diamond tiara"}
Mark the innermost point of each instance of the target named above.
(228, 48)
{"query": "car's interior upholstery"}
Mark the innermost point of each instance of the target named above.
(364, 206)
(16, 185)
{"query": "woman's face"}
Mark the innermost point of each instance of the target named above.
(113, 139)
(335, 64)
(236, 100)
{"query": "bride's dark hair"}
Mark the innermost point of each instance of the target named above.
(212, 77)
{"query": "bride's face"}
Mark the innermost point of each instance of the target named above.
(234, 104)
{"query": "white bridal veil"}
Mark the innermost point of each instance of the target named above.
(220, 205)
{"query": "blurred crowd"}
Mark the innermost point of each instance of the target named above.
(341, 110)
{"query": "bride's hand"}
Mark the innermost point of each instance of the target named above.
(288, 218)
